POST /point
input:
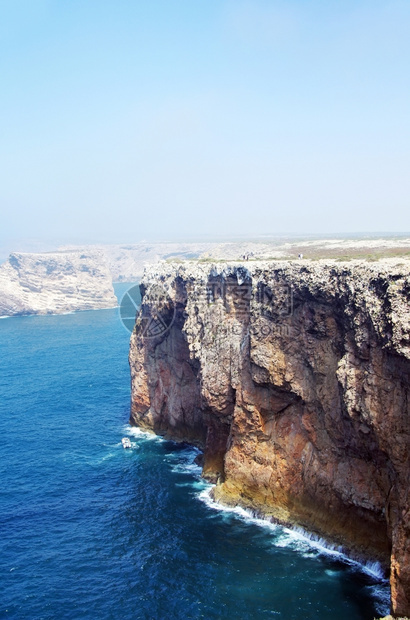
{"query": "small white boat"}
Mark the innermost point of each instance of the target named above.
(126, 442)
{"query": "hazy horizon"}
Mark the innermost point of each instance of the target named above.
(124, 122)
(50, 245)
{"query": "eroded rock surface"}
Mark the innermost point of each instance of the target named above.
(55, 282)
(294, 377)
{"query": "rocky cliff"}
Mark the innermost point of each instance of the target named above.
(294, 378)
(55, 282)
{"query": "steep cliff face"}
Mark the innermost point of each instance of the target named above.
(55, 282)
(295, 380)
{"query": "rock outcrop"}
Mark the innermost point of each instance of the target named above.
(294, 378)
(55, 282)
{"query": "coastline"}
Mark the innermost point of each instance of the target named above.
(16, 316)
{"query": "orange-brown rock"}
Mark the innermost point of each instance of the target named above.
(295, 380)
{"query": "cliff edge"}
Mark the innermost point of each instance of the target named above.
(294, 378)
(55, 282)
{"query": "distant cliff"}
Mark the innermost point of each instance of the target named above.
(294, 377)
(55, 282)
(127, 262)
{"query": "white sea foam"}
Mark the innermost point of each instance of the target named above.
(137, 433)
(108, 456)
(305, 543)
(374, 569)
(237, 511)
(331, 573)
(186, 468)
(198, 485)
(381, 596)
(183, 461)
(309, 545)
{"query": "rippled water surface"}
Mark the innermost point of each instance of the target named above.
(90, 530)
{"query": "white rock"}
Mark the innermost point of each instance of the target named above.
(54, 283)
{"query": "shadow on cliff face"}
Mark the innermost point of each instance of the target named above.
(299, 400)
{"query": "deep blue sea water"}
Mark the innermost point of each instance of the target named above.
(90, 530)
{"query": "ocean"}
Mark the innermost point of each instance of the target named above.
(90, 530)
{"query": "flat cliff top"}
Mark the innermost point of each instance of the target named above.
(55, 282)
(380, 288)
(308, 270)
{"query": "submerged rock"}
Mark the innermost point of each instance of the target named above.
(54, 283)
(294, 378)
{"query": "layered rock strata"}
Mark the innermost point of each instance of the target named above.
(55, 282)
(294, 378)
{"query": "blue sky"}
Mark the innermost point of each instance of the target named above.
(127, 120)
